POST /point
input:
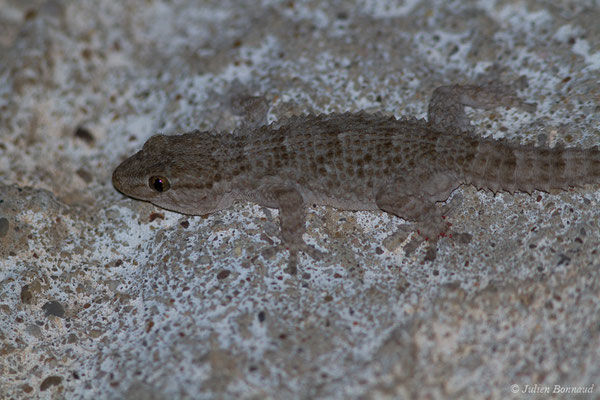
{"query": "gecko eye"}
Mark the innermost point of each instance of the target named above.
(159, 183)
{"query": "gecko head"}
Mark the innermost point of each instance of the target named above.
(174, 172)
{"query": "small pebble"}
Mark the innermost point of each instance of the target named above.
(84, 134)
(54, 308)
(223, 274)
(4, 225)
(26, 295)
(50, 381)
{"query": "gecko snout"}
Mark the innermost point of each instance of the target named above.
(116, 180)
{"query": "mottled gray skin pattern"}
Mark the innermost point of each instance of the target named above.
(353, 162)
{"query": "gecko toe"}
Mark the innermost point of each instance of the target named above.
(412, 245)
(312, 252)
(292, 266)
(431, 252)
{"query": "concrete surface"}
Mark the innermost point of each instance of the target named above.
(102, 296)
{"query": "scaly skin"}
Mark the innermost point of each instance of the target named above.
(351, 161)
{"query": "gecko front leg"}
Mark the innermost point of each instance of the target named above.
(292, 211)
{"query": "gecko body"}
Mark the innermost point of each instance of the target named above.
(351, 161)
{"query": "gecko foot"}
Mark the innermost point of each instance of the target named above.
(431, 233)
(416, 241)
(292, 266)
(495, 93)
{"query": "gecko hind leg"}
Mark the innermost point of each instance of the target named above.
(427, 219)
(447, 105)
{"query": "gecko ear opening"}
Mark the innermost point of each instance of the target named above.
(159, 183)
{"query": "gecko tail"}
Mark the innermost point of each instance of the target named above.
(502, 166)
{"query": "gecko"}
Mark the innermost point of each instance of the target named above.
(406, 167)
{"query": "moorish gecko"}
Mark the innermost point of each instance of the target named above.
(351, 161)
